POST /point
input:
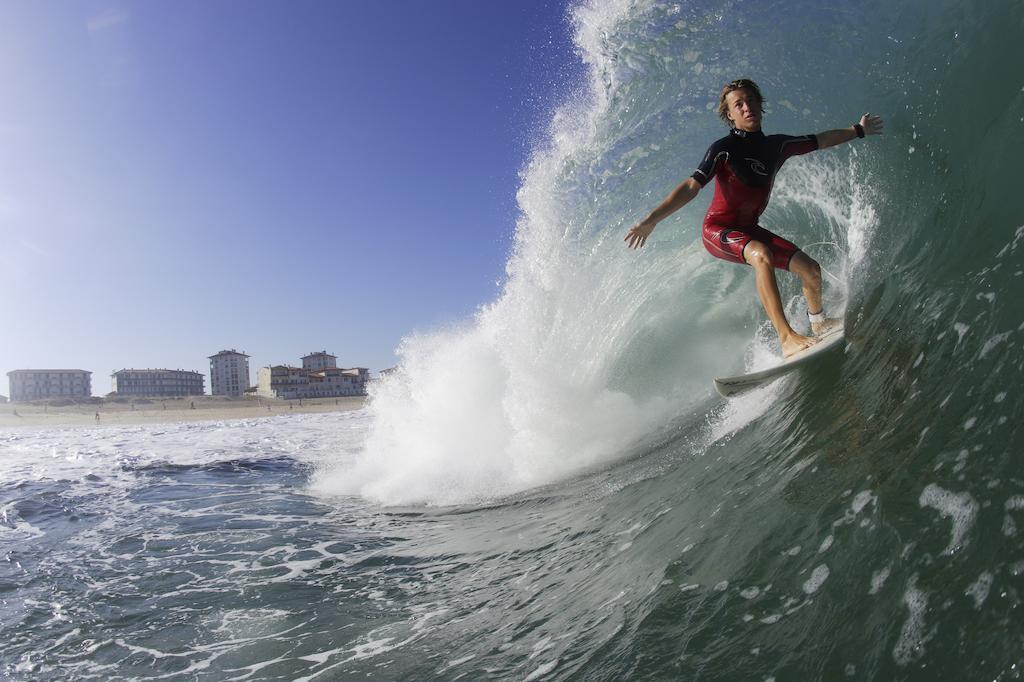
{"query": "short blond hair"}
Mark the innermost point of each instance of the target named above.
(738, 84)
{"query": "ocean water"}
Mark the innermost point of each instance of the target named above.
(552, 490)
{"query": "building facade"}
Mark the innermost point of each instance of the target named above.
(157, 383)
(320, 360)
(319, 377)
(35, 384)
(229, 373)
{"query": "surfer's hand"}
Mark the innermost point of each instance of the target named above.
(871, 124)
(638, 235)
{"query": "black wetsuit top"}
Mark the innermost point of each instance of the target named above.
(745, 164)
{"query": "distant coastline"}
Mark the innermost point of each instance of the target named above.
(162, 410)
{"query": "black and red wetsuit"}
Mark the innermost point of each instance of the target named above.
(745, 164)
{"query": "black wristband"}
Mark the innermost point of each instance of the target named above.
(859, 129)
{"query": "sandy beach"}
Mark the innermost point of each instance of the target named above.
(168, 410)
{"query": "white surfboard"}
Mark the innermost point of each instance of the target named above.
(730, 386)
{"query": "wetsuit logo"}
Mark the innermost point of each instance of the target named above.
(757, 166)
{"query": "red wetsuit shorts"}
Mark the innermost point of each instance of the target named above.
(728, 243)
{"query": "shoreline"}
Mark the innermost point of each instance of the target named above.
(166, 411)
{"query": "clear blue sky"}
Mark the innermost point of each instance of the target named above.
(276, 177)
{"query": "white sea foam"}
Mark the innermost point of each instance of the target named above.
(1015, 503)
(961, 509)
(13, 528)
(978, 590)
(540, 647)
(910, 644)
(878, 579)
(861, 500)
(961, 330)
(110, 454)
(857, 505)
(992, 342)
(541, 671)
(818, 577)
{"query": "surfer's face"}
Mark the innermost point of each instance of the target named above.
(744, 110)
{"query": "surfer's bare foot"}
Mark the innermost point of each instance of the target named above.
(794, 343)
(826, 325)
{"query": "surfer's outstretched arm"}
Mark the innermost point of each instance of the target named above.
(870, 124)
(679, 197)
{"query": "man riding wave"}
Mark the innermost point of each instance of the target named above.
(744, 164)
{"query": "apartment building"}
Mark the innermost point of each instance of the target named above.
(36, 384)
(319, 377)
(319, 360)
(157, 383)
(229, 373)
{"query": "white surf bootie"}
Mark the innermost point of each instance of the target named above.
(821, 324)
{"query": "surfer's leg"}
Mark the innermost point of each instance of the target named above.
(759, 257)
(809, 272)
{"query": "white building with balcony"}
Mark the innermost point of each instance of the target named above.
(319, 377)
(36, 384)
(157, 383)
(229, 373)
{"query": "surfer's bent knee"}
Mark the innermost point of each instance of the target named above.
(730, 243)
(757, 253)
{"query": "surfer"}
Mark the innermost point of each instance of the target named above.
(745, 163)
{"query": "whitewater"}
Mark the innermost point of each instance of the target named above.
(551, 489)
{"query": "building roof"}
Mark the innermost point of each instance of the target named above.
(321, 370)
(318, 354)
(227, 352)
(182, 371)
(32, 371)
